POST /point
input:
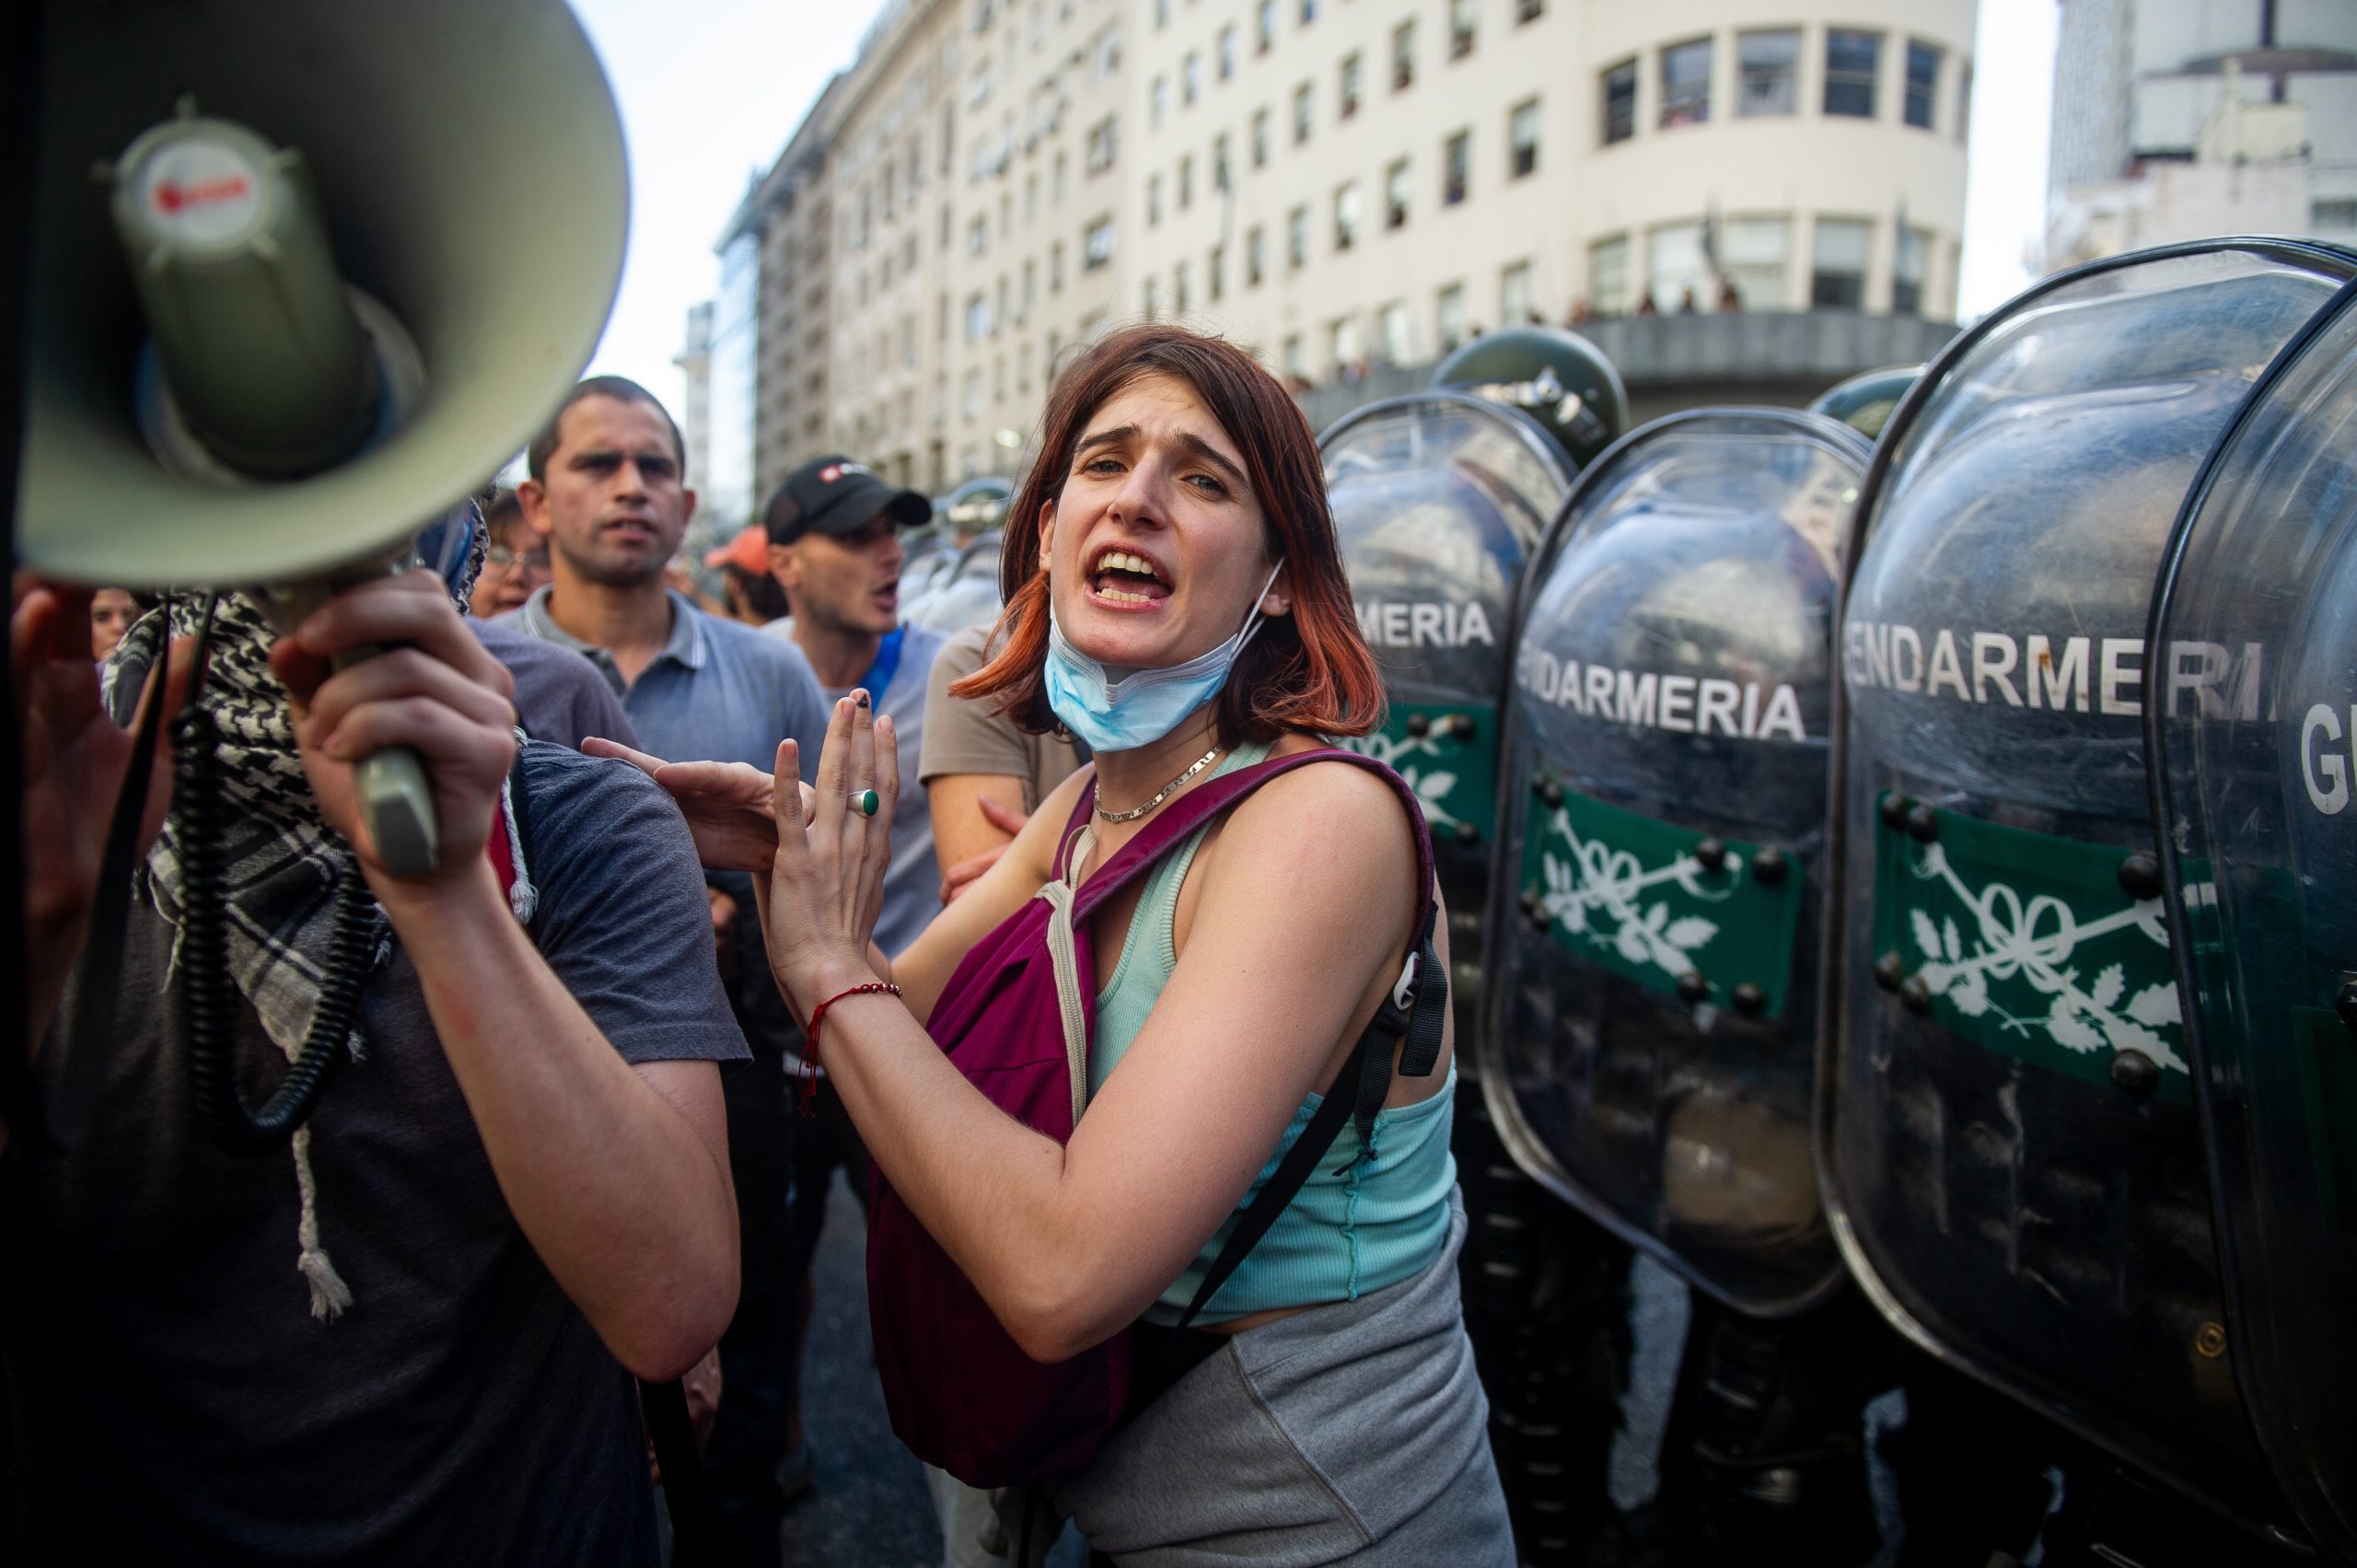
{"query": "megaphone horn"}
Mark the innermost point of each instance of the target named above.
(465, 163)
(317, 307)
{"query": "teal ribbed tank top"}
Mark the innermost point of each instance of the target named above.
(1381, 1221)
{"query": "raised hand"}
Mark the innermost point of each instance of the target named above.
(727, 805)
(436, 690)
(827, 885)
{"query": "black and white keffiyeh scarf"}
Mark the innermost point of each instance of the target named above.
(286, 867)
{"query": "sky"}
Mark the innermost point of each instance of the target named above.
(710, 92)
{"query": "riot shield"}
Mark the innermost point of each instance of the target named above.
(965, 594)
(1650, 1034)
(2253, 795)
(2007, 1140)
(1438, 499)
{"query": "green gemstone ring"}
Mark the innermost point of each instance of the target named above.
(867, 801)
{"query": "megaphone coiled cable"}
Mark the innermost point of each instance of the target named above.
(210, 995)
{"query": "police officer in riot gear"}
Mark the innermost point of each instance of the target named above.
(1439, 497)
(2008, 1138)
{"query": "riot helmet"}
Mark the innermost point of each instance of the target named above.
(966, 593)
(1865, 402)
(2008, 1141)
(1559, 378)
(2253, 795)
(1649, 1039)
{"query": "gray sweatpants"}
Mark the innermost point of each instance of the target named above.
(1355, 1432)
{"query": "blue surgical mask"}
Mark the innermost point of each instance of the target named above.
(1146, 704)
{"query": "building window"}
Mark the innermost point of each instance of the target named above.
(1259, 138)
(1686, 84)
(1179, 289)
(1161, 14)
(1449, 316)
(1152, 298)
(1185, 182)
(1157, 103)
(978, 318)
(1455, 167)
(1391, 332)
(1294, 364)
(1346, 217)
(1349, 87)
(1100, 145)
(1621, 102)
(1753, 255)
(1056, 267)
(1226, 53)
(1220, 176)
(1677, 277)
(1851, 58)
(1301, 114)
(971, 393)
(1264, 27)
(1964, 103)
(977, 236)
(1907, 269)
(1516, 303)
(1838, 278)
(1522, 139)
(1297, 237)
(1096, 245)
(1607, 275)
(1191, 78)
(2333, 212)
(1922, 83)
(1153, 200)
(1216, 272)
(1395, 195)
(1342, 343)
(1768, 67)
(1528, 10)
(1308, 12)
(1464, 16)
(1403, 57)
(1256, 256)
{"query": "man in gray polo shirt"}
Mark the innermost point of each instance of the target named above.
(608, 490)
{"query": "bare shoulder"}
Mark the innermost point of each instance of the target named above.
(1333, 826)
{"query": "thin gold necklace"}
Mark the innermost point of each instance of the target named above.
(1161, 795)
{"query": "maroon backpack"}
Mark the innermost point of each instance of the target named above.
(962, 1394)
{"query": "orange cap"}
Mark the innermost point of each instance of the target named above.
(748, 552)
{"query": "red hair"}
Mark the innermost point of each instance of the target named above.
(1309, 672)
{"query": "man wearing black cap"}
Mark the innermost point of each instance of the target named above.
(834, 549)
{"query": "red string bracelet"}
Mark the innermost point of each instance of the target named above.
(818, 1017)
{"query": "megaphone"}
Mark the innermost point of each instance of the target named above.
(303, 277)
(338, 264)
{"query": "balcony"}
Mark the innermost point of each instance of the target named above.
(1779, 357)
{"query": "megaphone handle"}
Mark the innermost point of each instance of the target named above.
(397, 803)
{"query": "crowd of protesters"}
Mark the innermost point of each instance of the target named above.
(585, 1123)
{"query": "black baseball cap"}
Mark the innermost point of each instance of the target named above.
(836, 495)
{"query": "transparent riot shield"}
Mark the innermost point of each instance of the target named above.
(2007, 1139)
(965, 594)
(2253, 793)
(1650, 1020)
(1438, 498)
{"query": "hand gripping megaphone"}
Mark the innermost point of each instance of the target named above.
(304, 276)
